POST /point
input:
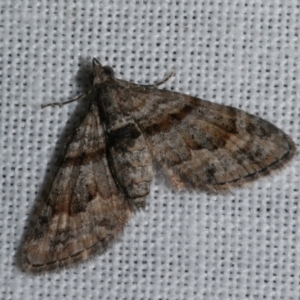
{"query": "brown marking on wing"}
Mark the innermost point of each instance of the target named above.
(83, 211)
(203, 145)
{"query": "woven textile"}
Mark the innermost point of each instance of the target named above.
(240, 245)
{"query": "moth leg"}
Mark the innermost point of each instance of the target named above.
(160, 82)
(78, 98)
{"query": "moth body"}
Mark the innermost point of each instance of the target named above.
(129, 157)
(105, 169)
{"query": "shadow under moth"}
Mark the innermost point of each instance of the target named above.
(106, 168)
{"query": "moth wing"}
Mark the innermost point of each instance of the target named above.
(82, 211)
(202, 145)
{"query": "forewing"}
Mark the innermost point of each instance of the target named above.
(82, 211)
(203, 145)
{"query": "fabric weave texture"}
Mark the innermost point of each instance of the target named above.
(239, 245)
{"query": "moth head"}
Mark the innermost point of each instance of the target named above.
(101, 73)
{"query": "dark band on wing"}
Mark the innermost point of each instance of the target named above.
(120, 135)
(84, 158)
(168, 121)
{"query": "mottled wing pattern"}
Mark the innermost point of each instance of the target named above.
(82, 211)
(203, 145)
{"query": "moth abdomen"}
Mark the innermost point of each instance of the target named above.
(130, 160)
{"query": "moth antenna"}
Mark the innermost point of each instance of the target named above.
(160, 82)
(60, 104)
(164, 80)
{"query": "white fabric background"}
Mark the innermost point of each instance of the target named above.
(242, 245)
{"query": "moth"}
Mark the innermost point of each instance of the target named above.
(106, 168)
